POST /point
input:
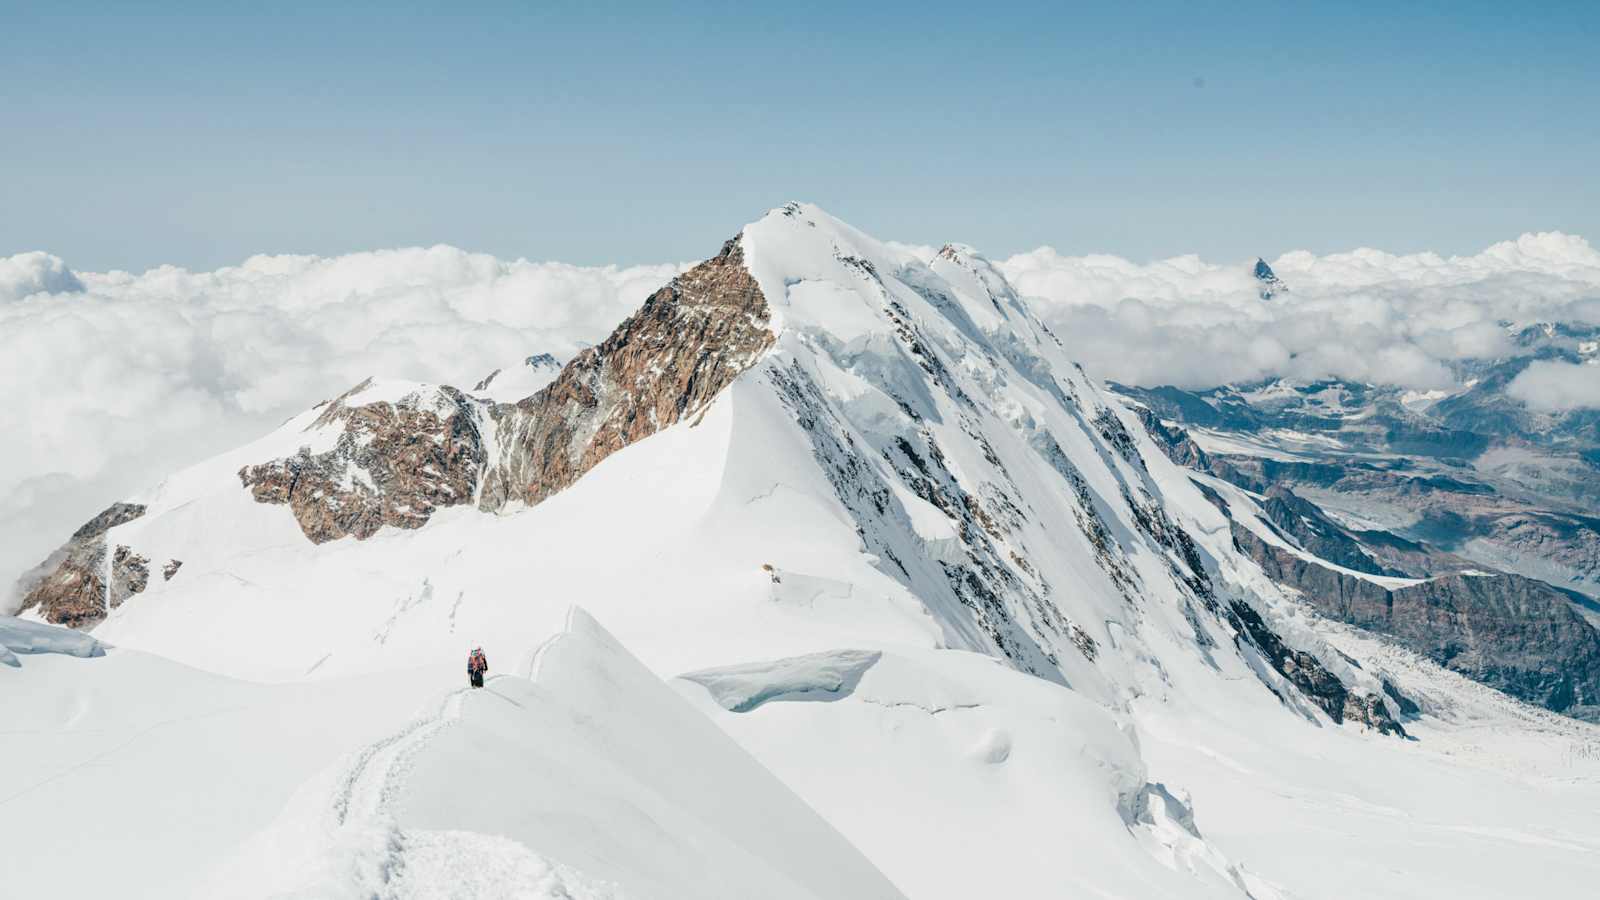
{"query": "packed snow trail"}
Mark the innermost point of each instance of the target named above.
(588, 759)
(368, 785)
(164, 769)
(361, 803)
(392, 863)
(368, 788)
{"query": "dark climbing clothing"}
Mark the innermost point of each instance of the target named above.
(477, 664)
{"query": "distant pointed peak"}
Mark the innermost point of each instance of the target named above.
(1271, 284)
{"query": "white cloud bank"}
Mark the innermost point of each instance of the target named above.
(1550, 386)
(117, 379)
(36, 272)
(1364, 315)
(114, 380)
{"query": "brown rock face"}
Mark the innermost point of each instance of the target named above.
(664, 363)
(75, 593)
(130, 574)
(394, 464)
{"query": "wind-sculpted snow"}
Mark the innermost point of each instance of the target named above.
(18, 636)
(818, 676)
(1030, 764)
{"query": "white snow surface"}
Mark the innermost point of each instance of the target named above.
(873, 556)
(965, 778)
(178, 780)
(519, 380)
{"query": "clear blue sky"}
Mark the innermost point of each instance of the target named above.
(630, 133)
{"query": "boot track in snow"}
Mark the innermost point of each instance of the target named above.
(367, 790)
(391, 863)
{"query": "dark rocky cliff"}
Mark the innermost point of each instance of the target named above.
(1512, 633)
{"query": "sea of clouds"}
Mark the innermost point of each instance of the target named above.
(1365, 315)
(117, 379)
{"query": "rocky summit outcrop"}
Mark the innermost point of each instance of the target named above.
(394, 463)
(80, 589)
(663, 364)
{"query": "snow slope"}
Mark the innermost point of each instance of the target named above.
(583, 754)
(914, 560)
(512, 383)
(154, 770)
(965, 778)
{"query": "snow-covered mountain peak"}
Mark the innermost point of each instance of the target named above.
(822, 276)
(982, 477)
(513, 383)
(916, 561)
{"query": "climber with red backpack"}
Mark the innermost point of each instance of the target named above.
(477, 664)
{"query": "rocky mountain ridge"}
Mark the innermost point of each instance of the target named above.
(87, 577)
(951, 429)
(398, 460)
